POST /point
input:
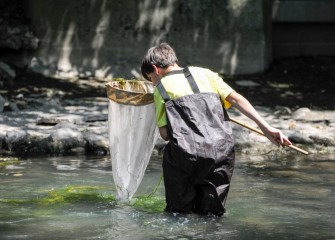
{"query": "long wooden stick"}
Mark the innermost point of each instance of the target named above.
(261, 133)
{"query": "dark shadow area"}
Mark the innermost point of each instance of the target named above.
(27, 82)
(294, 82)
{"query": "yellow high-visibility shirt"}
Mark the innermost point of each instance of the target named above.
(176, 85)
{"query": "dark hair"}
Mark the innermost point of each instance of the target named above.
(162, 56)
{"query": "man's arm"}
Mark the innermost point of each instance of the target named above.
(245, 107)
(163, 133)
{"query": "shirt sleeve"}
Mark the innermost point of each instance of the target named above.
(222, 88)
(161, 118)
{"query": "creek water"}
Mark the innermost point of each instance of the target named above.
(271, 197)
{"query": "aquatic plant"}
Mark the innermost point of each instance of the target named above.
(70, 194)
(90, 194)
(151, 204)
(5, 161)
(75, 194)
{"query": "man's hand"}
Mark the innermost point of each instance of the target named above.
(276, 136)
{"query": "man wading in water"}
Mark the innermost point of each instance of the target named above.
(191, 103)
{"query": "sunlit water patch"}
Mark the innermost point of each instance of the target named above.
(74, 198)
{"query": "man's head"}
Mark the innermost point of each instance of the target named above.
(161, 56)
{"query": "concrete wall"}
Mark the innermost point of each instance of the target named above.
(303, 28)
(100, 38)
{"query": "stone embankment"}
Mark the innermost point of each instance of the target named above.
(52, 125)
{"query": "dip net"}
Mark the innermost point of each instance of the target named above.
(132, 132)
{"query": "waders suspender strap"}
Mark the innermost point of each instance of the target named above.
(190, 80)
(163, 92)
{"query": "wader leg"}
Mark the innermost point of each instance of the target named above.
(212, 193)
(207, 200)
(180, 192)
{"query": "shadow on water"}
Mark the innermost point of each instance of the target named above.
(74, 198)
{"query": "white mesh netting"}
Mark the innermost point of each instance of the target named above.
(132, 136)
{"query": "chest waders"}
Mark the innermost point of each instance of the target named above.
(198, 161)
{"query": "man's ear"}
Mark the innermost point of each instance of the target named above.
(156, 69)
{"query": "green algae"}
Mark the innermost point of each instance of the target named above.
(5, 161)
(75, 194)
(121, 81)
(151, 204)
(70, 194)
(91, 194)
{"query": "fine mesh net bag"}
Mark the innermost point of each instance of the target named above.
(132, 132)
